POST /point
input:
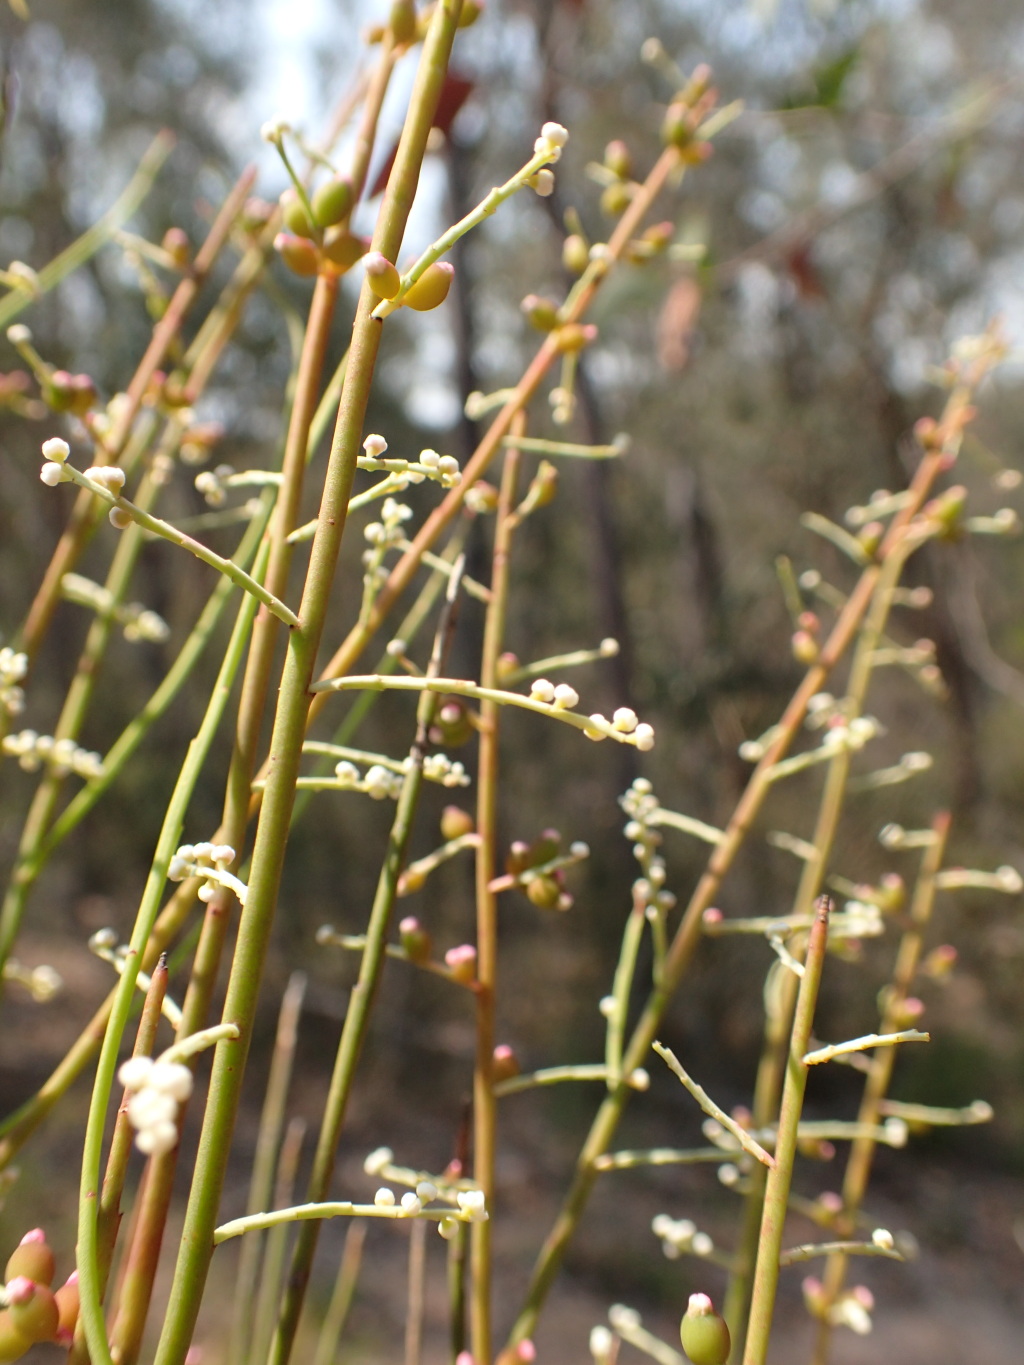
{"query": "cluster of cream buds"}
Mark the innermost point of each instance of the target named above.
(42, 982)
(852, 1309)
(13, 667)
(157, 1087)
(862, 919)
(561, 698)
(623, 722)
(440, 768)
(679, 1236)
(143, 624)
(553, 138)
(210, 482)
(61, 756)
(55, 454)
(387, 531)
(193, 860)
(852, 735)
(379, 782)
(444, 469)
(473, 1207)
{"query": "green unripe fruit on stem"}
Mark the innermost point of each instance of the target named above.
(343, 248)
(618, 159)
(575, 254)
(703, 1333)
(384, 279)
(298, 254)
(541, 312)
(543, 892)
(456, 822)
(33, 1309)
(431, 289)
(415, 939)
(403, 21)
(12, 1344)
(332, 201)
(293, 211)
(32, 1258)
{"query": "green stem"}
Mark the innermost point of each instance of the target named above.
(776, 1196)
(484, 1108)
(341, 1298)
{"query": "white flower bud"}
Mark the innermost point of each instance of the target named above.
(566, 697)
(52, 474)
(555, 134)
(148, 1107)
(119, 518)
(542, 690)
(625, 720)
(133, 1073)
(426, 1190)
(377, 1160)
(448, 1228)
(643, 736)
(375, 446)
(544, 183)
(171, 1078)
(157, 1139)
(411, 1203)
(19, 335)
(384, 1198)
(55, 448)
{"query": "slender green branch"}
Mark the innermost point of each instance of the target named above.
(304, 1213)
(869, 1040)
(776, 1195)
(809, 1250)
(710, 1107)
(166, 531)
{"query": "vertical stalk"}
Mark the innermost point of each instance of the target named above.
(416, 1302)
(862, 1150)
(484, 1106)
(286, 742)
(771, 1069)
(776, 1195)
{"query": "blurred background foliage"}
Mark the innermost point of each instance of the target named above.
(865, 210)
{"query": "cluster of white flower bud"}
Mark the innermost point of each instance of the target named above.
(42, 982)
(108, 476)
(562, 698)
(852, 736)
(138, 622)
(440, 768)
(379, 782)
(387, 531)
(61, 756)
(553, 138)
(680, 1236)
(13, 667)
(55, 454)
(443, 469)
(210, 862)
(211, 483)
(157, 1088)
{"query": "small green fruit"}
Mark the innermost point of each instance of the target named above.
(575, 254)
(703, 1333)
(431, 289)
(12, 1344)
(343, 248)
(33, 1309)
(415, 939)
(298, 254)
(32, 1258)
(384, 279)
(293, 210)
(403, 21)
(332, 201)
(456, 822)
